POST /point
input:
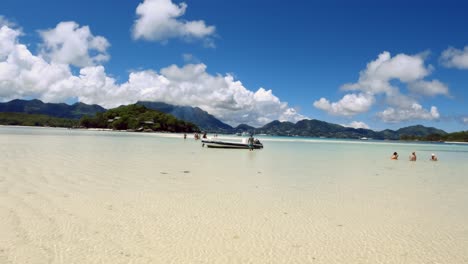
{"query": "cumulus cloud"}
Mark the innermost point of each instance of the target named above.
(190, 58)
(357, 124)
(429, 88)
(378, 74)
(159, 20)
(350, 104)
(8, 40)
(68, 43)
(5, 22)
(416, 111)
(377, 79)
(24, 75)
(455, 58)
(465, 120)
(220, 95)
(396, 99)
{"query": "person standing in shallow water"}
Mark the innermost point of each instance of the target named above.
(433, 157)
(394, 156)
(250, 142)
(413, 156)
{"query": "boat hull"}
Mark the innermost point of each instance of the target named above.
(229, 145)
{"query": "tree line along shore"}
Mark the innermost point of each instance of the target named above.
(131, 118)
(140, 118)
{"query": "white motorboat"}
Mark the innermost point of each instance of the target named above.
(215, 143)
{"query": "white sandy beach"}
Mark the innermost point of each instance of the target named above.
(70, 196)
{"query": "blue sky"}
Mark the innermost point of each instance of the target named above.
(370, 64)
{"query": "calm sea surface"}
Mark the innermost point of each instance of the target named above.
(76, 196)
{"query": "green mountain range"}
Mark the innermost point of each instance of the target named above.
(74, 111)
(317, 128)
(190, 114)
(207, 122)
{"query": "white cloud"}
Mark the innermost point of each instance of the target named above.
(189, 85)
(24, 75)
(220, 95)
(5, 22)
(190, 58)
(396, 99)
(68, 43)
(392, 115)
(350, 104)
(357, 124)
(465, 120)
(405, 108)
(378, 78)
(429, 88)
(455, 58)
(8, 40)
(378, 74)
(159, 20)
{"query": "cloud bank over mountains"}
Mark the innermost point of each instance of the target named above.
(49, 77)
(357, 124)
(378, 81)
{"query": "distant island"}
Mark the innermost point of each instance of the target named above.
(137, 118)
(158, 116)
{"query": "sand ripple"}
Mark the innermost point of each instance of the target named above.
(76, 197)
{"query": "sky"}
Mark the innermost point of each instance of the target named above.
(368, 64)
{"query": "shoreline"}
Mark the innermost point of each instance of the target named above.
(262, 137)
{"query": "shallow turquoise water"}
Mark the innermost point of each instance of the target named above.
(77, 196)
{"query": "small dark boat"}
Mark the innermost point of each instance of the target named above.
(214, 143)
